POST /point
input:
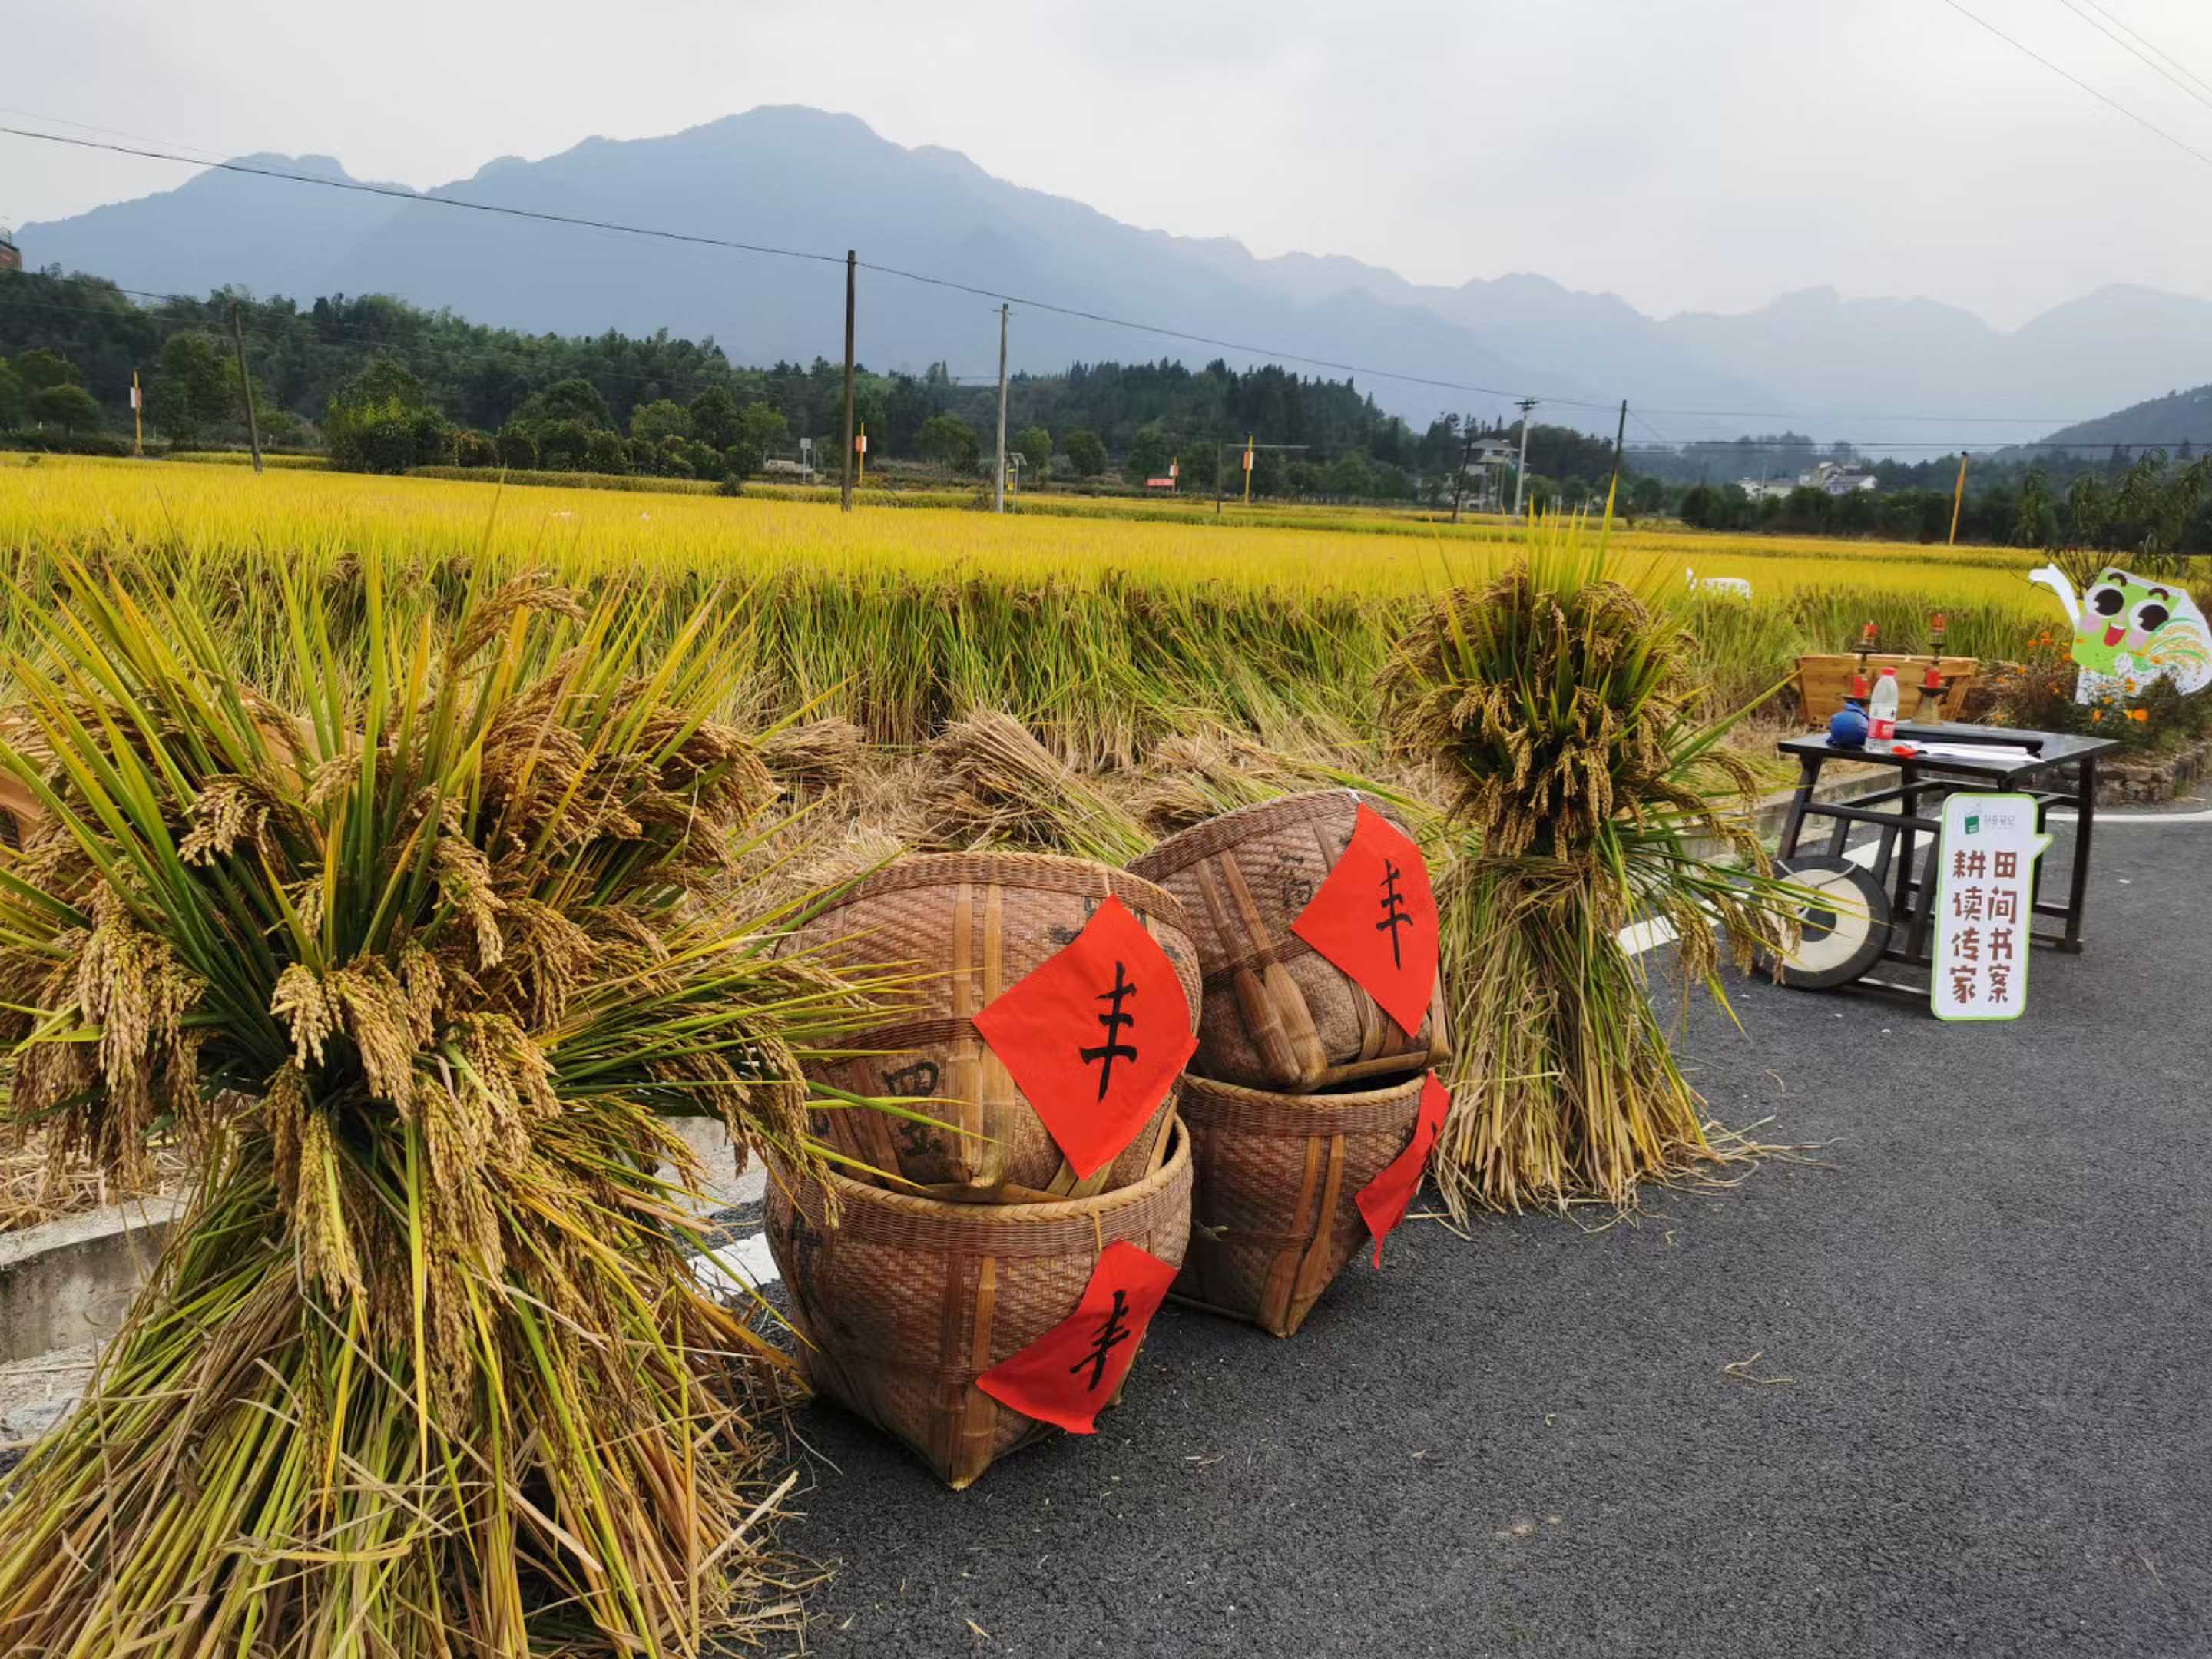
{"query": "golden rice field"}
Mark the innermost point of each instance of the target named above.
(1099, 619)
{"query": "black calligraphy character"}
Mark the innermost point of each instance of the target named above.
(1114, 1020)
(1109, 1337)
(918, 1079)
(1394, 914)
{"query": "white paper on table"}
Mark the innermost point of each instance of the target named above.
(1974, 751)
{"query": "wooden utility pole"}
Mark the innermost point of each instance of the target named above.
(999, 490)
(844, 493)
(246, 385)
(1957, 498)
(1620, 438)
(137, 418)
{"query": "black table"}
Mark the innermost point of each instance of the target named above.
(1897, 866)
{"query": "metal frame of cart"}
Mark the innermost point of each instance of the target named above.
(1899, 865)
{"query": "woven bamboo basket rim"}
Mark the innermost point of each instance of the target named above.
(1270, 1112)
(1043, 872)
(1216, 835)
(1063, 1227)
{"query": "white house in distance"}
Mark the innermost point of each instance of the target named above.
(1830, 478)
(1837, 479)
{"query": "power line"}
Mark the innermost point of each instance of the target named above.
(574, 220)
(2129, 45)
(2102, 98)
(583, 222)
(2146, 41)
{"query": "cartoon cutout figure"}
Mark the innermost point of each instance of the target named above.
(2130, 630)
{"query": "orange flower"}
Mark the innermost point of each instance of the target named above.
(2138, 714)
(2096, 716)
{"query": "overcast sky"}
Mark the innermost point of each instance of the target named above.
(1685, 153)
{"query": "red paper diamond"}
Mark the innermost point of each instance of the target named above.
(1068, 1374)
(1376, 918)
(1096, 1036)
(1383, 1199)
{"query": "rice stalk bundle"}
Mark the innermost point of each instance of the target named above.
(417, 978)
(1587, 794)
(812, 758)
(993, 785)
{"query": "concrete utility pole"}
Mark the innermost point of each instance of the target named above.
(137, 418)
(845, 487)
(246, 385)
(1521, 474)
(1620, 438)
(999, 490)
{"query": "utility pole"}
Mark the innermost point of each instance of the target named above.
(246, 385)
(1957, 498)
(845, 488)
(999, 490)
(1466, 454)
(1521, 474)
(1619, 438)
(137, 418)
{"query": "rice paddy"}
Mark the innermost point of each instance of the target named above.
(1103, 622)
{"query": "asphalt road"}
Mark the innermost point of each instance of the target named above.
(1980, 1421)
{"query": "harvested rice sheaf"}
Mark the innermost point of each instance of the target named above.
(416, 981)
(1560, 702)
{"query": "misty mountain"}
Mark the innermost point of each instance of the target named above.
(2168, 423)
(803, 179)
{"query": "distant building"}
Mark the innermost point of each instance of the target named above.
(11, 258)
(1836, 478)
(1761, 489)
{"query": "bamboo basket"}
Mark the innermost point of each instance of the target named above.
(1274, 1216)
(904, 1301)
(973, 925)
(1279, 1014)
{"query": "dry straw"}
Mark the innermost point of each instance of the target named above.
(1589, 796)
(423, 1371)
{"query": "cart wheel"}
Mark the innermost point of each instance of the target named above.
(1842, 938)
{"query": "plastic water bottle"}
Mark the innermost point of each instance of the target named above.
(1881, 709)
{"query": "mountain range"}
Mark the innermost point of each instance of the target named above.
(1907, 375)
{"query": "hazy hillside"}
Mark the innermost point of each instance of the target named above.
(2165, 424)
(801, 179)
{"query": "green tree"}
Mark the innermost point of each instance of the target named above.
(518, 450)
(763, 428)
(190, 395)
(1086, 452)
(575, 399)
(949, 441)
(13, 410)
(1148, 455)
(714, 417)
(604, 452)
(1350, 476)
(383, 378)
(562, 446)
(658, 420)
(1034, 445)
(69, 407)
(39, 368)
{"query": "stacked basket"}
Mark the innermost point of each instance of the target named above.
(1310, 1104)
(984, 1268)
